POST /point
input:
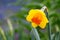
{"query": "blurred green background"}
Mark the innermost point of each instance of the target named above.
(17, 10)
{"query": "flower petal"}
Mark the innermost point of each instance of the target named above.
(28, 18)
(43, 23)
(34, 25)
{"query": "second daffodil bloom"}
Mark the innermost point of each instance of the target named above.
(37, 18)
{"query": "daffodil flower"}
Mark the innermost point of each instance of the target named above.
(37, 18)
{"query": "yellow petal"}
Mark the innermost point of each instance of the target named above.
(36, 11)
(34, 25)
(28, 18)
(43, 23)
(30, 15)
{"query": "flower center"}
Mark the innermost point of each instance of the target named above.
(37, 19)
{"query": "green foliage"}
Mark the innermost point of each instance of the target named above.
(54, 16)
(24, 28)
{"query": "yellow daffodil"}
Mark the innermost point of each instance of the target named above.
(37, 18)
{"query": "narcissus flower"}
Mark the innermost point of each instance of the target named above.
(37, 18)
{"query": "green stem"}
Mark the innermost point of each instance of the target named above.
(49, 28)
(49, 32)
(35, 34)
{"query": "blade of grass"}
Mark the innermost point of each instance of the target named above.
(11, 32)
(3, 34)
(35, 34)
